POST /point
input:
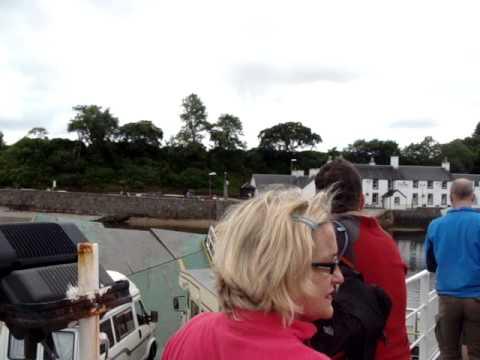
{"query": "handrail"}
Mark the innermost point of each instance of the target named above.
(421, 318)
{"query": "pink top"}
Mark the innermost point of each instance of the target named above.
(256, 336)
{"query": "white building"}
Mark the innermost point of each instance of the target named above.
(391, 186)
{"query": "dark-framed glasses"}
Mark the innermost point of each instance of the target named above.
(327, 266)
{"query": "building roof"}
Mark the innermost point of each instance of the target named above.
(262, 181)
(473, 177)
(378, 172)
(434, 173)
(403, 172)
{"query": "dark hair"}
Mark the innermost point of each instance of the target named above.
(343, 178)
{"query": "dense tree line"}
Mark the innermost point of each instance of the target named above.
(135, 157)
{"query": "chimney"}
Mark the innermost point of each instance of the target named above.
(446, 164)
(394, 162)
(372, 161)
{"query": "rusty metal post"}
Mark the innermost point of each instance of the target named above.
(88, 283)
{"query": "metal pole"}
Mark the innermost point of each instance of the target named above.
(424, 289)
(209, 185)
(225, 186)
(88, 283)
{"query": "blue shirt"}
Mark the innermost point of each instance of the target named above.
(452, 247)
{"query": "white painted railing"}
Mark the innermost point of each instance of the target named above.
(210, 243)
(421, 318)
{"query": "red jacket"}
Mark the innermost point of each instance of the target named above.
(258, 336)
(376, 256)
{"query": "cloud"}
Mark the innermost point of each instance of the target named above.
(421, 123)
(256, 78)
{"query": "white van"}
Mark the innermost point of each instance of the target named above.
(128, 327)
(201, 295)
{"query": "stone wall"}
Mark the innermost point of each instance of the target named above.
(103, 204)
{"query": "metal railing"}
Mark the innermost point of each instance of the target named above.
(209, 244)
(421, 318)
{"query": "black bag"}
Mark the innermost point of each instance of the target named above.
(360, 314)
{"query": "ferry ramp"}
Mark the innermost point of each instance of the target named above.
(152, 259)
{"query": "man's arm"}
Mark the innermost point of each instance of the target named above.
(429, 254)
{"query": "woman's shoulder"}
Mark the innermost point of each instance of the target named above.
(205, 319)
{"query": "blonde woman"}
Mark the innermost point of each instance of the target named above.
(277, 270)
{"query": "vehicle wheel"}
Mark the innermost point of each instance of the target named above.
(152, 352)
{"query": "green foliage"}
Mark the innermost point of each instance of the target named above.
(142, 133)
(427, 152)
(226, 132)
(288, 136)
(460, 156)
(93, 125)
(38, 133)
(130, 158)
(476, 132)
(361, 151)
(194, 116)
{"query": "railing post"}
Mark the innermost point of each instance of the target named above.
(424, 290)
(88, 283)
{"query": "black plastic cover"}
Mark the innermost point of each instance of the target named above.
(26, 245)
(44, 284)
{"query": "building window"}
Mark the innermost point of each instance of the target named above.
(390, 184)
(476, 183)
(429, 184)
(397, 200)
(444, 184)
(415, 184)
(375, 184)
(444, 199)
(415, 199)
(375, 198)
(430, 199)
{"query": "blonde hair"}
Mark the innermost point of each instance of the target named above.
(263, 257)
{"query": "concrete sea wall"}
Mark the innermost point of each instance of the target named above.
(118, 205)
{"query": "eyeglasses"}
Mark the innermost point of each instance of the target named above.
(341, 235)
(330, 266)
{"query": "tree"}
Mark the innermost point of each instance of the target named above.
(93, 125)
(476, 132)
(361, 151)
(38, 133)
(427, 152)
(226, 132)
(459, 155)
(194, 116)
(2, 142)
(141, 133)
(288, 136)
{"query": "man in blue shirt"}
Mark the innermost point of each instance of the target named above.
(452, 248)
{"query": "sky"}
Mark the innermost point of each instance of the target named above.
(349, 70)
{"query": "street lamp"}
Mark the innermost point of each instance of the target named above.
(225, 186)
(213, 173)
(292, 162)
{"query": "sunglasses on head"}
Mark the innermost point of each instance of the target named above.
(341, 235)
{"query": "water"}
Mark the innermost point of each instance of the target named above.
(410, 244)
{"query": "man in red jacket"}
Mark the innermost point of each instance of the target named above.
(371, 250)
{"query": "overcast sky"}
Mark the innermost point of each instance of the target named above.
(398, 70)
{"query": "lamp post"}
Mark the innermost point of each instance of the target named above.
(225, 186)
(292, 162)
(213, 173)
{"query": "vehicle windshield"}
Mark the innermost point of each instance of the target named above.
(64, 345)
